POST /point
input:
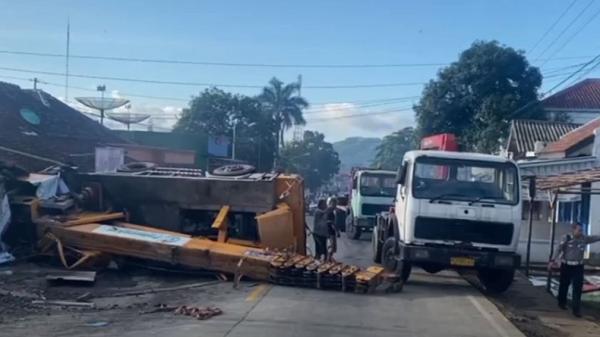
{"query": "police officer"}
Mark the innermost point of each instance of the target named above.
(570, 253)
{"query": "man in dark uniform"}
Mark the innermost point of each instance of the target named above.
(570, 253)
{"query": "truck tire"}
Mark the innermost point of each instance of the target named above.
(352, 231)
(376, 245)
(496, 281)
(390, 261)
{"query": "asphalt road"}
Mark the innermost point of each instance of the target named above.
(429, 305)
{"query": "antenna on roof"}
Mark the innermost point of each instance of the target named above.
(128, 117)
(102, 103)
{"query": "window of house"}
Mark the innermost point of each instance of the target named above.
(569, 211)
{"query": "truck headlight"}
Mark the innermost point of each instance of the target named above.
(506, 261)
(421, 254)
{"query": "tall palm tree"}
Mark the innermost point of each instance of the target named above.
(284, 104)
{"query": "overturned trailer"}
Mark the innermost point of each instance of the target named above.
(251, 225)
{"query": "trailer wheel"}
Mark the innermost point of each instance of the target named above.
(496, 281)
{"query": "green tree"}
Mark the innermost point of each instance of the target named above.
(284, 104)
(390, 152)
(477, 96)
(214, 112)
(313, 158)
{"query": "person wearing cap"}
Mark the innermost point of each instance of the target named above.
(570, 255)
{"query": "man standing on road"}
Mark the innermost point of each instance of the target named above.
(570, 254)
(330, 216)
(320, 231)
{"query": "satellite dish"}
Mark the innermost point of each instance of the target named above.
(128, 118)
(102, 103)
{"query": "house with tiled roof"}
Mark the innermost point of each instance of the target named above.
(580, 102)
(527, 136)
(37, 130)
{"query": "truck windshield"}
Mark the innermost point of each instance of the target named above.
(377, 185)
(468, 180)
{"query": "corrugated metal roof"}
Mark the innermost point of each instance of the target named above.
(581, 96)
(526, 132)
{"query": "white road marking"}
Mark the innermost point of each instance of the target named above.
(499, 329)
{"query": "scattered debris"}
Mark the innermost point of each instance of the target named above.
(72, 276)
(66, 303)
(198, 313)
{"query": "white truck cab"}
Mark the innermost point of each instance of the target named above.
(453, 210)
(373, 192)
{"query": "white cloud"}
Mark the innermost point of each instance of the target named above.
(337, 121)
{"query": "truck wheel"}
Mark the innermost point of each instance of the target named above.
(355, 233)
(352, 232)
(376, 246)
(496, 280)
(390, 261)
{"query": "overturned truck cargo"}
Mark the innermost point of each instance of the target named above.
(251, 225)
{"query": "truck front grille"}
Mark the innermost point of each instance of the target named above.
(372, 209)
(496, 233)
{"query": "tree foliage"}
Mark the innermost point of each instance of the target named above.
(477, 96)
(284, 104)
(390, 152)
(214, 112)
(313, 158)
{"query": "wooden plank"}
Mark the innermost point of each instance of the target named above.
(221, 223)
(197, 253)
(85, 218)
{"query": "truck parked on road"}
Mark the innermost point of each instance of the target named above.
(453, 210)
(373, 191)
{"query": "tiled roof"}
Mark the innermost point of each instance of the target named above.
(54, 131)
(573, 138)
(526, 132)
(583, 95)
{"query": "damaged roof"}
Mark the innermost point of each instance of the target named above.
(38, 130)
(584, 95)
(524, 133)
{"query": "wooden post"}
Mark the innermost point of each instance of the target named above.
(531, 200)
(552, 236)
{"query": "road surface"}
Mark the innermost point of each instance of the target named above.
(429, 305)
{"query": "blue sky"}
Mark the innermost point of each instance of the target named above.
(282, 32)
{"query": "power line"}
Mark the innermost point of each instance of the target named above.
(203, 84)
(552, 26)
(562, 32)
(570, 38)
(223, 64)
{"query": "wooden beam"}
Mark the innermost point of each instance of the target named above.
(221, 223)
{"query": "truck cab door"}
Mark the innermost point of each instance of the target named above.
(402, 192)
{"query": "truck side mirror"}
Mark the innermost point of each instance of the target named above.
(401, 175)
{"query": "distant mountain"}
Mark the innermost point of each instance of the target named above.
(356, 151)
